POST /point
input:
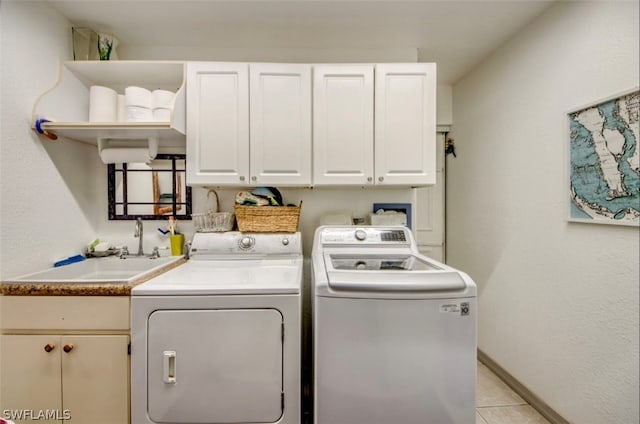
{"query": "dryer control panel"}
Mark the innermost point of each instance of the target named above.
(204, 245)
(366, 235)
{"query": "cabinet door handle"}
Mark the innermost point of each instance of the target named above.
(369, 179)
(380, 179)
(241, 177)
(49, 347)
(254, 178)
(169, 366)
(68, 347)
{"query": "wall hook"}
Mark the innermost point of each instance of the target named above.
(38, 125)
(449, 147)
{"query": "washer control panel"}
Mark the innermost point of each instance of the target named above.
(366, 235)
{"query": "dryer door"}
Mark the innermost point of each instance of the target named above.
(222, 366)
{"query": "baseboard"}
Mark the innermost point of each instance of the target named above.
(536, 403)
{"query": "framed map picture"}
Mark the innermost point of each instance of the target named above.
(604, 173)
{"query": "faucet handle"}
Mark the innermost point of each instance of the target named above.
(124, 252)
(156, 253)
(187, 250)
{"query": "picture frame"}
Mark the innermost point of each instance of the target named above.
(603, 180)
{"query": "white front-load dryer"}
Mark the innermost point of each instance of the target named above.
(217, 339)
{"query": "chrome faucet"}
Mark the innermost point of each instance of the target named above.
(138, 233)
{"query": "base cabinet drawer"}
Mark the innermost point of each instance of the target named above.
(64, 313)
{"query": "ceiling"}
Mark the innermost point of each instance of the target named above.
(455, 34)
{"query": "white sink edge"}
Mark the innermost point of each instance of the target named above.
(67, 272)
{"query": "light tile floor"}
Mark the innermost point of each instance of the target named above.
(496, 403)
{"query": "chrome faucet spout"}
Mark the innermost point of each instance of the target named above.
(138, 233)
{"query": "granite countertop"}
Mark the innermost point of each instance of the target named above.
(79, 289)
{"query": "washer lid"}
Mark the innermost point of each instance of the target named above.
(388, 273)
(216, 277)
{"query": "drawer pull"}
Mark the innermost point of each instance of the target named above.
(68, 347)
(49, 347)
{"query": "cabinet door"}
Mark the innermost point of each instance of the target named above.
(217, 123)
(95, 378)
(405, 124)
(30, 376)
(430, 204)
(343, 124)
(280, 129)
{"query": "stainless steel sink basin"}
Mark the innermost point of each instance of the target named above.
(98, 270)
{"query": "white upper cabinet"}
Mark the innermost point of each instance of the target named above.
(280, 124)
(251, 124)
(343, 124)
(389, 141)
(405, 124)
(248, 124)
(217, 123)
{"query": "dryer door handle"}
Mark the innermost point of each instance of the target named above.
(169, 366)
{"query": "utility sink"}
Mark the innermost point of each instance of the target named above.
(111, 269)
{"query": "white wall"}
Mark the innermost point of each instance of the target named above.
(317, 202)
(558, 301)
(273, 54)
(47, 190)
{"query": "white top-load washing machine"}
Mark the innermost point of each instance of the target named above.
(394, 332)
(217, 339)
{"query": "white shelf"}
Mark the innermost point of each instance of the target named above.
(120, 74)
(66, 105)
(89, 133)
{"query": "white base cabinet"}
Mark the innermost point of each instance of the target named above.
(53, 369)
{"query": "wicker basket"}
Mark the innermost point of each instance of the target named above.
(212, 220)
(267, 219)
